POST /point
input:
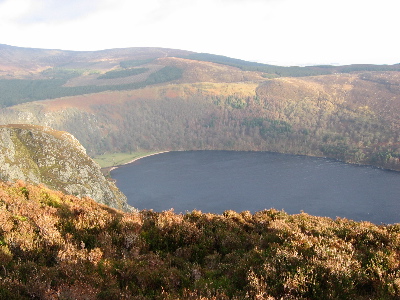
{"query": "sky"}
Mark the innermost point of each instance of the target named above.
(280, 32)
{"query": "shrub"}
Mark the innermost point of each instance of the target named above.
(55, 246)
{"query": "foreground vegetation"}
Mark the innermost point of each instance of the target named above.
(54, 246)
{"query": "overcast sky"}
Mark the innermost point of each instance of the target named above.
(282, 32)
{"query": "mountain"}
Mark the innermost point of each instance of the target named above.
(57, 246)
(155, 99)
(56, 159)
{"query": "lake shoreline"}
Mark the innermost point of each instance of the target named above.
(214, 182)
(109, 169)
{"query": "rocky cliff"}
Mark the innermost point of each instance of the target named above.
(37, 154)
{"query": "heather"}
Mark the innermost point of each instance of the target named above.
(57, 246)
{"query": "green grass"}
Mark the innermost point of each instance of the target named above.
(116, 159)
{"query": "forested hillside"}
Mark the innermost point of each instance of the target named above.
(16, 91)
(128, 100)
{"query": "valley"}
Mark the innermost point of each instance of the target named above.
(178, 103)
(59, 109)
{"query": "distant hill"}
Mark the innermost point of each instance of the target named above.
(153, 99)
(293, 71)
(35, 74)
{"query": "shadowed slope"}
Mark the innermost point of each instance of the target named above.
(39, 154)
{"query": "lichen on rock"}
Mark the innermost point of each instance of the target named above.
(38, 154)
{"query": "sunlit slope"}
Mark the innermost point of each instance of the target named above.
(31, 75)
(41, 155)
(57, 246)
(154, 99)
(351, 117)
(29, 63)
(28, 74)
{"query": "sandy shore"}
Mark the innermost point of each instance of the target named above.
(133, 160)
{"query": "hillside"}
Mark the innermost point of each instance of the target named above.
(57, 246)
(330, 115)
(56, 159)
(17, 62)
(153, 99)
(25, 63)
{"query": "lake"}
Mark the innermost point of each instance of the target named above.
(215, 181)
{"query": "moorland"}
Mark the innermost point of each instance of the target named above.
(57, 246)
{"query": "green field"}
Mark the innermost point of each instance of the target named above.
(116, 159)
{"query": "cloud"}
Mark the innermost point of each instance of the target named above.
(11, 10)
(274, 31)
(54, 11)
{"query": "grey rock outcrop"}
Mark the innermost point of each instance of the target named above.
(37, 154)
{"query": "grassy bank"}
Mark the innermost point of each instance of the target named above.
(116, 159)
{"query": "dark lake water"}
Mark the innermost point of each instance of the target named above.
(215, 181)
